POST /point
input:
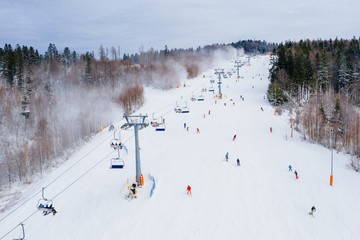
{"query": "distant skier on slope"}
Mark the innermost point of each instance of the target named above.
(238, 162)
(313, 209)
(188, 190)
(234, 138)
(296, 174)
(290, 168)
(227, 156)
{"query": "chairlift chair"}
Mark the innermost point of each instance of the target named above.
(44, 204)
(177, 109)
(154, 121)
(118, 162)
(161, 125)
(185, 110)
(160, 128)
(115, 143)
(211, 89)
(200, 98)
(23, 233)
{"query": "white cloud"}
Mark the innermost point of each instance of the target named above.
(84, 25)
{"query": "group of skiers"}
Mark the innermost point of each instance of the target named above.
(313, 209)
(227, 158)
(295, 172)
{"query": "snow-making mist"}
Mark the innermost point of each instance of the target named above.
(260, 199)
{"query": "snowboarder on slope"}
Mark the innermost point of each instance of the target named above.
(296, 175)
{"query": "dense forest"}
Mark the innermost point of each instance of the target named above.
(319, 80)
(51, 103)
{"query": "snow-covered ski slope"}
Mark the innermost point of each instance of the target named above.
(260, 199)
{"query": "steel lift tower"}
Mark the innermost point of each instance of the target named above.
(238, 66)
(219, 72)
(138, 122)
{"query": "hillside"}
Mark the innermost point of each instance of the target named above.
(260, 199)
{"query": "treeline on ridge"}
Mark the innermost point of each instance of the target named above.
(320, 80)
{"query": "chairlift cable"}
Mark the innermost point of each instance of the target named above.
(63, 190)
(34, 195)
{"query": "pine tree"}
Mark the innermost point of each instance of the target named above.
(19, 68)
(9, 65)
(275, 94)
(88, 67)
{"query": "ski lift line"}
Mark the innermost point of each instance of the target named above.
(68, 186)
(36, 194)
(172, 104)
(106, 139)
(20, 205)
(2, 237)
(77, 179)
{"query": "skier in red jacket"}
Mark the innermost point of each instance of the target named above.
(188, 190)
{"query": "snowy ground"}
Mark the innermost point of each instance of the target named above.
(260, 199)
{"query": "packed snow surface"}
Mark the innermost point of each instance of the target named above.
(261, 199)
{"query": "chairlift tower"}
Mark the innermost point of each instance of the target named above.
(138, 122)
(219, 72)
(238, 66)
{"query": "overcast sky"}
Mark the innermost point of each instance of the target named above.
(83, 25)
